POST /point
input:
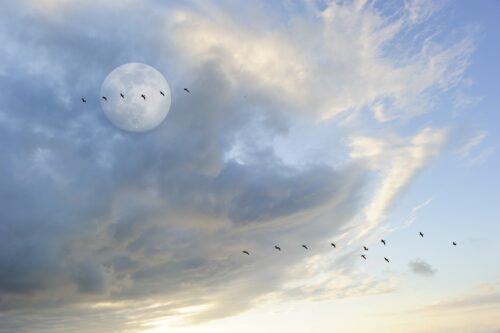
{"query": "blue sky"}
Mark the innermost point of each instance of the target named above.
(308, 122)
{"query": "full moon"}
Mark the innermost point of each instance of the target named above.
(133, 112)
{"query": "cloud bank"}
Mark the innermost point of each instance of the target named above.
(98, 223)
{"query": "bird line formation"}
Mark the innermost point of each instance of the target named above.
(383, 241)
(143, 96)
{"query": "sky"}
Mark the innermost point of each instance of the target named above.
(308, 122)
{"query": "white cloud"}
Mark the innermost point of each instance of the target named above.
(471, 153)
(474, 141)
(397, 161)
(329, 62)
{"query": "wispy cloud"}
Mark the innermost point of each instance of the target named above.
(471, 152)
(397, 160)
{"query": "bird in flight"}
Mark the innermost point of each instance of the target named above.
(454, 244)
(143, 96)
(363, 256)
(123, 96)
(277, 247)
(386, 259)
(421, 234)
(104, 98)
(84, 100)
(187, 90)
(383, 241)
(246, 252)
(333, 244)
(161, 92)
(364, 247)
(305, 247)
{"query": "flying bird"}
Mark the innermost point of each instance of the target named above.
(84, 100)
(277, 247)
(454, 244)
(187, 90)
(333, 244)
(161, 92)
(363, 256)
(123, 96)
(364, 247)
(421, 234)
(383, 241)
(386, 259)
(143, 96)
(305, 247)
(104, 98)
(245, 252)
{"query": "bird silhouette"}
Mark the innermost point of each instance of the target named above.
(383, 241)
(386, 259)
(305, 247)
(123, 96)
(104, 98)
(454, 244)
(187, 90)
(84, 100)
(333, 244)
(143, 96)
(363, 256)
(246, 252)
(277, 247)
(364, 247)
(421, 234)
(161, 92)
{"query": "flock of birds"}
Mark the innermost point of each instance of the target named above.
(383, 241)
(84, 100)
(276, 246)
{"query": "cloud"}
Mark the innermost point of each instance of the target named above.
(420, 267)
(398, 160)
(472, 154)
(103, 229)
(485, 299)
(474, 141)
(357, 66)
(413, 214)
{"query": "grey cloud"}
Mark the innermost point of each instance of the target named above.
(420, 267)
(92, 214)
(90, 278)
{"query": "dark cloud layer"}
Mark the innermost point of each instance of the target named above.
(92, 214)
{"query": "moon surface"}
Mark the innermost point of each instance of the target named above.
(133, 113)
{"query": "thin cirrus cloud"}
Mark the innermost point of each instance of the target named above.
(117, 223)
(398, 160)
(472, 151)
